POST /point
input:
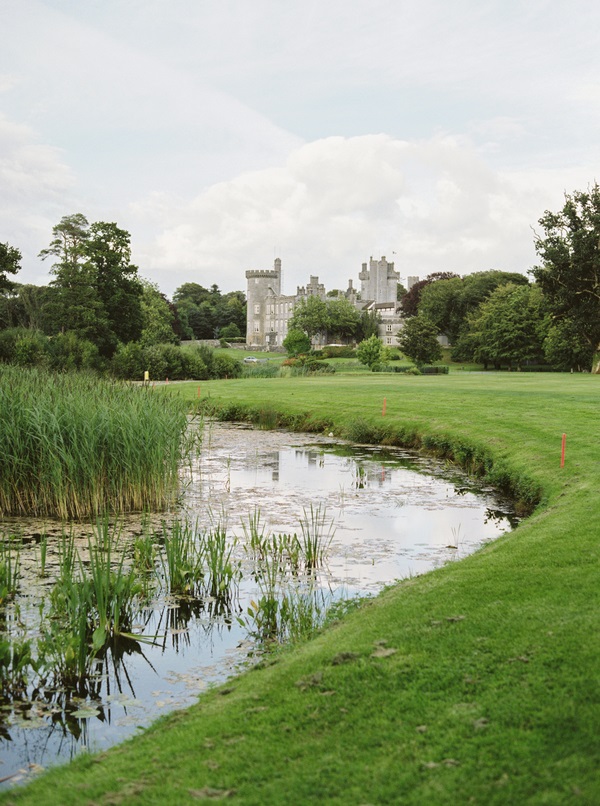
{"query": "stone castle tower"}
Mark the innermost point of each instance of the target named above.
(262, 284)
(379, 282)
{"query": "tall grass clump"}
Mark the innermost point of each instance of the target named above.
(9, 569)
(75, 446)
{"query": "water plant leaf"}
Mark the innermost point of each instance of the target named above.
(85, 713)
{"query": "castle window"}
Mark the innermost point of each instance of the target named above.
(389, 328)
(257, 309)
(257, 327)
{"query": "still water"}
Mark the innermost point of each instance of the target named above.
(389, 515)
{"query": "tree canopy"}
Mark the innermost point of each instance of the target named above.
(205, 312)
(509, 327)
(569, 272)
(10, 263)
(448, 302)
(97, 293)
(418, 340)
(335, 318)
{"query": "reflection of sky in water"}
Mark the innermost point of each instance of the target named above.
(390, 521)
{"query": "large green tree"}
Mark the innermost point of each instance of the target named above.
(569, 272)
(116, 280)
(97, 291)
(158, 318)
(336, 318)
(206, 311)
(418, 340)
(448, 302)
(409, 303)
(509, 327)
(310, 315)
(10, 263)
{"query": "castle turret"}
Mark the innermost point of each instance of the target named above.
(261, 283)
(379, 282)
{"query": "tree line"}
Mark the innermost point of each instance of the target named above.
(502, 319)
(98, 313)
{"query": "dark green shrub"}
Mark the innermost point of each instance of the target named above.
(339, 352)
(225, 366)
(67, 352)
(129, 362)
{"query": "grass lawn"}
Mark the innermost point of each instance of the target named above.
(477, 683)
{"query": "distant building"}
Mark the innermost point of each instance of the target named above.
(410, 281)
(269, 311)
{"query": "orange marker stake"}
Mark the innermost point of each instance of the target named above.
(562, 452)
(384, 404)
(198, 391)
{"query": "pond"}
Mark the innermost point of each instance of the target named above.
(379, 515)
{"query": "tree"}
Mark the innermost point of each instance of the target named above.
(368, 325)
(296, 342)
(569, 273)
(564, 349)
(75, 306)
(97, 290)
(231, 331)
(311, 316)
(510, 327)
(157, 317)
(336, 318)
(115, 279)
(418, 340)
(344, 319)
(206, 311)
(449, 302)
(10, 263)
(371, 352)
(410, 301)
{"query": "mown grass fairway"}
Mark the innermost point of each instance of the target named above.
(477, 683)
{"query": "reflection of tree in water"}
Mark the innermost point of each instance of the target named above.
(211, 615)
(500, 516)
(57, 712)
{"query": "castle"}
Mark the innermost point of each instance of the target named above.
(269, 311)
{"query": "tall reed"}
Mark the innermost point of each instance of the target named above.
(10, 568)
(75, 446)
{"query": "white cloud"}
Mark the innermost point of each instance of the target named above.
(220, 134)
(35, 183)
(436, 204)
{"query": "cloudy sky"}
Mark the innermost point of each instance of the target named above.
(224, 133)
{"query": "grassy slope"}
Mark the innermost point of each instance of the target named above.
(492, 693)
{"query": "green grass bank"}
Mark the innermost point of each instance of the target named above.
(477, 683)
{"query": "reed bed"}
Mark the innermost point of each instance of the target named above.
(74, 446)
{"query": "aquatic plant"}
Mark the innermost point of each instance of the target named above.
(181, 558)
(9, 569)
(76, 446)
(113, 587)
(317, 534)
(222, 569)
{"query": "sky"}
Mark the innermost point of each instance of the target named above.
(224, 133)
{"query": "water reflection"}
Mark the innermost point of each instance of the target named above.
(394, 515)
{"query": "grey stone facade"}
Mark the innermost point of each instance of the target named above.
(269, 311)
